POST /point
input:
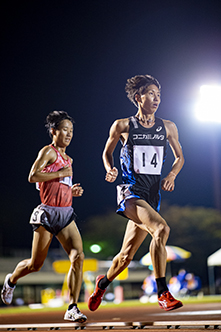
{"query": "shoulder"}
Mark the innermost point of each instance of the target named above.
(47, 151)
(170, 127)
(121, 125)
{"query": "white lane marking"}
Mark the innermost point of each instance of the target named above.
(193, 313)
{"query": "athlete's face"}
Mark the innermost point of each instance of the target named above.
(63, 135)
(150, 100)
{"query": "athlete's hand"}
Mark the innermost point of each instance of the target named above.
(111, 175)
(77, 190)
(167, 184)
(65, 171)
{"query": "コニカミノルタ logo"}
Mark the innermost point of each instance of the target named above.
(148, 136)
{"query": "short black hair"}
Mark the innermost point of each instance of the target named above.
(54, 119)
(138, 84)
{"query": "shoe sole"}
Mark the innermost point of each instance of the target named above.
(79, 320)
(3, 300)
(178, 305)
(2, 292)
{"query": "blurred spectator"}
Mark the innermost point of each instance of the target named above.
(184, 283)
(149, 285)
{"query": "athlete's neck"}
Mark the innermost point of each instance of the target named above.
(145, 119)
(59, 148)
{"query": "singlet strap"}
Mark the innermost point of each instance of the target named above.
(59, 154)
(134, 121)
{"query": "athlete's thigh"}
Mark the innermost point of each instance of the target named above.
(40, 244)
(70, 238)
(133, 238)
(143, 215)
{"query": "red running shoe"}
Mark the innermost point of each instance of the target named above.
(95, 299)
(167, 302)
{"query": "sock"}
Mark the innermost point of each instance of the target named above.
(72, 305)
(161, 286)
(104, 282)
(11, 284)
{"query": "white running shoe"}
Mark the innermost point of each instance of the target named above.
(7, 291)
(75, 315)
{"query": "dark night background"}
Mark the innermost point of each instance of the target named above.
(76, 56)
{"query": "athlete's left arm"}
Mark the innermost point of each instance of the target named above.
(76, 189)
(168, 183)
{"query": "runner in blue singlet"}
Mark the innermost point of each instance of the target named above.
(143, 152)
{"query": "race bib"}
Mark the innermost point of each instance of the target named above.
(148, 159)
(123, 192)
(66, 180)
(36, 216)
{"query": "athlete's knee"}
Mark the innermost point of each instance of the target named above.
(162, 232)
(166, 231)
(81, 257)
(76, 257)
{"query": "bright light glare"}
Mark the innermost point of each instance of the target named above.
(209, 107)
(95, 248)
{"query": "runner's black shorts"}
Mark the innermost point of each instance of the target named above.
(127, 191)
(52, 218)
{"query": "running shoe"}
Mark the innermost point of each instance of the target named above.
(75, 315)
(7, 291)
(95, 299)
(167, 302)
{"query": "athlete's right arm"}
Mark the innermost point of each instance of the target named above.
(46, 156)
(117, 129)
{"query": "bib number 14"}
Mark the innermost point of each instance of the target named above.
(148, 159)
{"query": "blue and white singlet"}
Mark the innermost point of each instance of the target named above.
(142, 159)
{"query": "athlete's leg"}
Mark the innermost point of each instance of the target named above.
(133, 238)
(150, 221)
(40, 245)
(70, 239)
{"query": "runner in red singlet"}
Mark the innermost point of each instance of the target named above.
(52, 173)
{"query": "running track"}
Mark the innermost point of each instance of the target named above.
(194, 313)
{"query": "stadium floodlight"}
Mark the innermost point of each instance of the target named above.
(95, 248)
(209, 106)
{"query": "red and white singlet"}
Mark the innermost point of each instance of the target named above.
(56, 192)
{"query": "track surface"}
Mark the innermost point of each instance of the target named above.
(189, 312)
